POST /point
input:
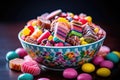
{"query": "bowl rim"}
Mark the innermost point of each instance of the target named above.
(62, 46)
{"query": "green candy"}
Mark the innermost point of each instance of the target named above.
(11, 55)
(75, 33)
(25, 76)
(112, 57)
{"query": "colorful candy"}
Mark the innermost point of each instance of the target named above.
(88, 67)
(97, 60)
(84, 76)
(103, 72)
(15, 64)
(107, 64)
(70, 73)
(25, 76)
(30, 67)
(21, 52)
(11, 55)
(43, 79)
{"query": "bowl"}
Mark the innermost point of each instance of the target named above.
(59, 58)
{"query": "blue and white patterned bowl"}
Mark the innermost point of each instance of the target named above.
(59, 58)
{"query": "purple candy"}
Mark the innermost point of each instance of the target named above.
(97, 60)
(107, 64)
(70, 73)
(43, 79)
(84, 76)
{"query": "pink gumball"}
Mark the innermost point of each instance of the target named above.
(107, 64)
(97, 60)
(21, 52)
(70, 73)
(43, 79)
(84, 76)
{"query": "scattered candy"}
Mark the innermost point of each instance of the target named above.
(11, 55)
(25, 76)
(84, 76)
(103, 72)
(21, 52)
(97, 60)
(107, 64)
(15, 64)
(70, 73)
(117, 53)
(88, 67)
(30, 67)
(43, 79)
(112, 57)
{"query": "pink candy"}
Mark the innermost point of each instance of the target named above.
(84, 76)
(107, 64)
(21, 52)
(97, 60)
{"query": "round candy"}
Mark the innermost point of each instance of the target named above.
(97, 60)
(112, 57)
(103, 72)
(117, 53)
(107, 64)
(88, 67)
(25, 76)
(70, 73)
(21, 52)
(84, 76)
(11, 55)
(43, 79)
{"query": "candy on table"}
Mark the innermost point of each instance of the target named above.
(97, 60)
(112, 57)
(61, 32)
(103, 51)
(107, 63)
(30, 67)
(103, 72)
(25, 76)
(31, 40)
(73, 40)
(28, 58)
(70, 73)
(117, 53)
(11, 55)
(21, 52)
(43, 79)
(53, 14)
(45, 35)
(15, 64)
(88, 67)
(84, 76)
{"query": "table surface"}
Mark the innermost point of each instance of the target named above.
(9, 41)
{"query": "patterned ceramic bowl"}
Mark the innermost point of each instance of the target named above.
(59, 58)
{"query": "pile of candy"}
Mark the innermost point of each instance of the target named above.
(104, 60)
(61, 29)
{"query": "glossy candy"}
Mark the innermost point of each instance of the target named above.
(88, 67)
(84, 76)
(70, 73)
(97, 60)
(112, 57)
(117, 53)
(36, 34)
(43, 79)
(11, 55)
(107, 64)
(21, 52)
(59, 44)
(25, 76)
(103, 72)
(45, 35)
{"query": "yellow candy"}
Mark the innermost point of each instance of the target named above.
(103, 72)
(81, 39)
(71, 14)
(36, 33)
(84, 43)
(60, 19)
(50, 38)
(25, 31)
(34, 23)
(96, 30)
(88, 67)
(88, 18)
(117, 53)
